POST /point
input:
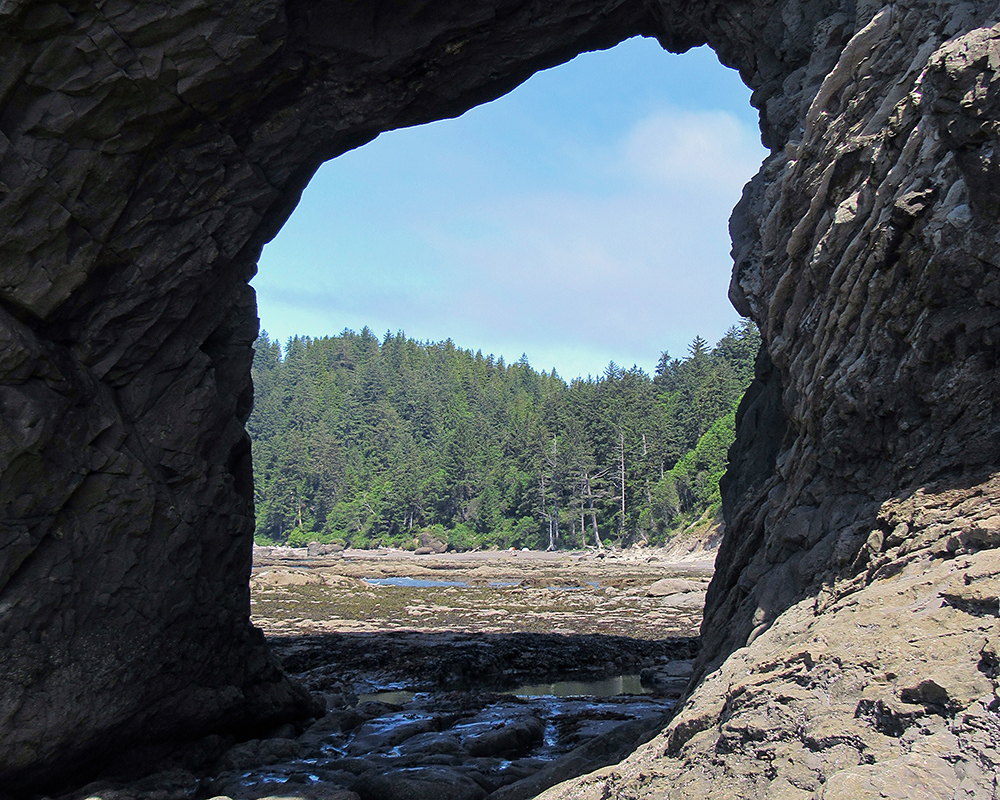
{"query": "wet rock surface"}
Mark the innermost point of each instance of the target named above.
(451, 660)
(432, 712)
(611, 592)
(470, 744)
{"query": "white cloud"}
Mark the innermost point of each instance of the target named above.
(637, 268)
(587, 251)
(711, 149)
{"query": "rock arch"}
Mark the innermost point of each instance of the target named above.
(148, 151)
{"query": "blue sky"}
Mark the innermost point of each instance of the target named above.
(581, 218)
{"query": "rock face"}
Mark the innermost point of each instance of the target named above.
(147, 152)
(851, 629)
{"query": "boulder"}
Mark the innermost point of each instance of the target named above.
(694, 601)
(430, 544)
(668, 586)
(432, 744)
(318, 549)
(260, 752)
(371, 738)
(515, 736)
(421, 783)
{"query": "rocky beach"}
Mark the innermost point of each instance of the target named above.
(611, 592)
(471, 675)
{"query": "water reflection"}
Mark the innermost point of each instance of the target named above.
(609, 687)
(616, 686)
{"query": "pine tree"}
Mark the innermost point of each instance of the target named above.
(369, 441)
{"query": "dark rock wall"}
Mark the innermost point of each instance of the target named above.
(852, 627)
(148, 151)
(867, 250)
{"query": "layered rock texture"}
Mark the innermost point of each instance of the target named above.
(851, 630)
(148, 151)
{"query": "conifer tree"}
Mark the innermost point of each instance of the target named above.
(369, 440)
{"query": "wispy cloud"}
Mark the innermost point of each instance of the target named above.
(620, 269)
(709, 150)
(588, 249)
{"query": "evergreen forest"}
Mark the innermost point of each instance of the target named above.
(371, 442)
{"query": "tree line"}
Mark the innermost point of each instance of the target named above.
(370, 442)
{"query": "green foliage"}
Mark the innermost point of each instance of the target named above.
(367, 442)
(691, 486)
(462, 537)
(298, 538)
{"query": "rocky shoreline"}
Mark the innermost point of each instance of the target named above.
(609, 592)
(456, 700)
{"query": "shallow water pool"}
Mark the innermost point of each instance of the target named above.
(420, 583)
(616, 686)
(608, 687)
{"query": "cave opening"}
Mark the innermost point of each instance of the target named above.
(579, 220)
